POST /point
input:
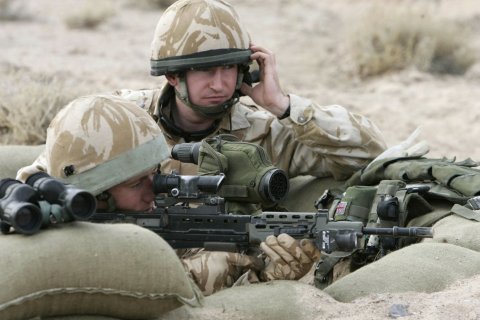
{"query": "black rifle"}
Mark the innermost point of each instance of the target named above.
(184, 227)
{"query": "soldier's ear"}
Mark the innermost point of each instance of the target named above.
(172, 79)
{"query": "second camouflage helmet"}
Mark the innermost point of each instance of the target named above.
(97, 142)
(198, 34)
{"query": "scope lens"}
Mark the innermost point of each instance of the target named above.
(186, 152)
(83, 205)
(27, 219)
(275, 185)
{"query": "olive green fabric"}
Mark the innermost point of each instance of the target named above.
(455, 181)
(244, 165)
(14, 157)
(442, 208)
(79, 268)
(422, 267)
(305, 190)
(464, 180)
(355, 204)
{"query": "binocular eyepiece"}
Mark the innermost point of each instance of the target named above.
(186, 152)
(19, 207)
(78, 204)
(21, 204)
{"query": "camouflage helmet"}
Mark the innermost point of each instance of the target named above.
(97, 142)
(198, 34)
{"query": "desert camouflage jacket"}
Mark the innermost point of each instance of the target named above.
(313, 140)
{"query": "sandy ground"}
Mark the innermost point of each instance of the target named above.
(307, 36)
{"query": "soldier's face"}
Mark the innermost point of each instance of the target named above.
(135, 194)
(211, 86)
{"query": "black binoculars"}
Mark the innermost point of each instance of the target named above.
(20, 203)
(19, 207)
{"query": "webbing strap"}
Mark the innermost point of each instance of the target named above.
(466, 213)
(323, 269)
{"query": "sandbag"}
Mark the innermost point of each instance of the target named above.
(458, 231)
(76, 318)
(14, 157)
(81, 268)
(281, 299)
(422, 267)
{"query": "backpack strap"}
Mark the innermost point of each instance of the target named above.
(324, 271)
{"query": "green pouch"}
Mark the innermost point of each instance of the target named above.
(387, 189)
(463, 179)
(355, 204)
(410, 170)
(443, 192)
(413, 206)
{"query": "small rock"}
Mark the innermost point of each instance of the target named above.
(398, 310)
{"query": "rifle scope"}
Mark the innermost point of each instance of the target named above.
(19, 207)
(77, 203)
(183, 186)
(271, 187)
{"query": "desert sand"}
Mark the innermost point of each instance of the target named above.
(308, 37)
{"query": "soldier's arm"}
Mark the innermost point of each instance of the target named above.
(316, 140)
(40, 164)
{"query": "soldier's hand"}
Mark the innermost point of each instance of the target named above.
(215, 270)
(268, 92)
(287, 258)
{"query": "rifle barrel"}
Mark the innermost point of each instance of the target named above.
(417, 232)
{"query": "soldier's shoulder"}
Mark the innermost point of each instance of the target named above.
(144, 98)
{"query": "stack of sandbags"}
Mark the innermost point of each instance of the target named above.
(81, 268)
(279, 300)
(422, 267)
(14, 157)
(458, 231)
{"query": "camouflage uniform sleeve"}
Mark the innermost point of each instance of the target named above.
(39, 165)
(216, 270)
(315, 140)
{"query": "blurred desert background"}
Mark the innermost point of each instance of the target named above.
(404, 64)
